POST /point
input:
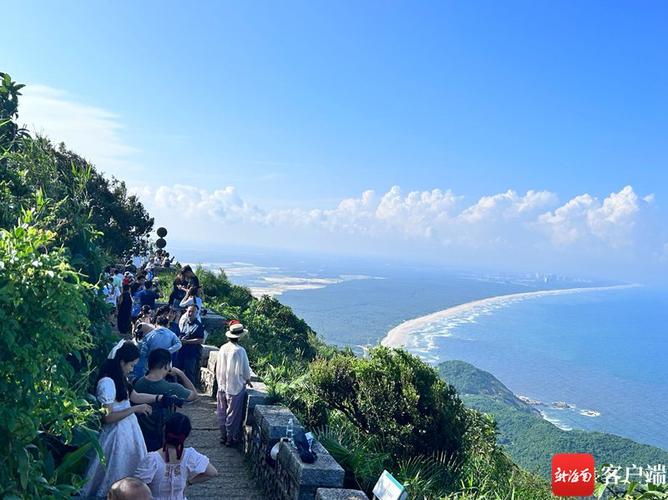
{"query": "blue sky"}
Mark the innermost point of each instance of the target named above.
(300, 105)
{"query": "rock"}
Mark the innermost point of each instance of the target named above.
(339, 494)
(206, 355)
(208, 382)
(257, 395)
(213, 321)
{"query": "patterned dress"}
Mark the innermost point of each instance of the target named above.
(122, 443)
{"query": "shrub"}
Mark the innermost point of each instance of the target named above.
(43, 318)
(275, 332)
(395, 396)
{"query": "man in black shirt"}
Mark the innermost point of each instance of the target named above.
(159, 366)
(192, 338)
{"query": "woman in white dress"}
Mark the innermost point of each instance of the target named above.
(121, 438)
(169, 471)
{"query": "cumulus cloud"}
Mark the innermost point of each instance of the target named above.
(221, 205)
(494, 229)
(585, 217)
(93, 132)
(508, 205)
(426, 215)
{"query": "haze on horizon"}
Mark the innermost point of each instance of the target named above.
(517, 136)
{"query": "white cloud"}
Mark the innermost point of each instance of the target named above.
(93, 132)
(499, 228)
(508, 205)
(221, 205)
(423, 215)
(584, 218)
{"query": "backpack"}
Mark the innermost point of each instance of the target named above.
(306, 455)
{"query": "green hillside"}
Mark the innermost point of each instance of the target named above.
(532, 440)
(468, 379)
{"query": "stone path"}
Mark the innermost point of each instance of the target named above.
(234, 480)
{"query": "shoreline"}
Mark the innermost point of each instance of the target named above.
(398, 336)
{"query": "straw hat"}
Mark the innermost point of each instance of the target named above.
(235, 331)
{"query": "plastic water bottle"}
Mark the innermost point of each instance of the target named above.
(290, 432)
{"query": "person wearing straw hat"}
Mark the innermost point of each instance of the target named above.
(233, 373)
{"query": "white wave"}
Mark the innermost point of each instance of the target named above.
(354, 277)
(555, 421)
(236, 269)
(298, 280)
(441, 323)
(277, 285)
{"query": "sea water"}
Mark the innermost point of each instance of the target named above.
(603, 352)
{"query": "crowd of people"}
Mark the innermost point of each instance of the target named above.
(175, 326)
(151, 373)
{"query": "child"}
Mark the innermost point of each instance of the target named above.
(168, 471)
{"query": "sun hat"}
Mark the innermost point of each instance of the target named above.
(235, 331)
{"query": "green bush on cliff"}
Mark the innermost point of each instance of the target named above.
(60, 222)
(395, 396)
(93, 218)
(43, 321)
(394, 404)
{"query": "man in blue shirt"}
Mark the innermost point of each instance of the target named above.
(159, 338)
(148, 295)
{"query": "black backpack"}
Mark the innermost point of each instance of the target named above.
(305, 453)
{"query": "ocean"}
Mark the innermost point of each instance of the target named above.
(601, 353)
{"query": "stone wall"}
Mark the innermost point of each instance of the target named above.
(288, 478)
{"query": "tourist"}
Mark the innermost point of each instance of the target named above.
(118, 278)
(124, 317)
(121, 439)
(159, 337)
(192, 338)
(148, 295)
(129, 488)
(166, 261)
(109, 292)
(232, 374)
(137, 261)
(188, 278)
(177, 295)
(169, 471)
(192, 298)
(159, 366)
(145, 315)
(135, 288)
(173, 317)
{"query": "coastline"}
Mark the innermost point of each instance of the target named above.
(398, 336)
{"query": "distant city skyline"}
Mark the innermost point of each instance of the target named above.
(522, 136)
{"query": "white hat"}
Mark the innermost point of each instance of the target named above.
(235, 331)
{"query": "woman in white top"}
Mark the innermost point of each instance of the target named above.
(168, 471)
(121, 438)
(192, 297)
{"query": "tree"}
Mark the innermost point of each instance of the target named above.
(395, 396)
(121, 217)
(93, 216)
(43, 322)
(9, 98)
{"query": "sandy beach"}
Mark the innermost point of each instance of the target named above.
(398, 336)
